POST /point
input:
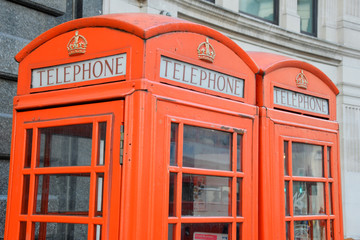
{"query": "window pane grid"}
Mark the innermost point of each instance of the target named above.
(319, 222)
(228, 194)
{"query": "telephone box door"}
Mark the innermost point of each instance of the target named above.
(66, 173)
(307, 161)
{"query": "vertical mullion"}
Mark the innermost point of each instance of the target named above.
(291, 203)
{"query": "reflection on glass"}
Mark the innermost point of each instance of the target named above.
(25, 194)
(61, 231)
(287, 231)
(102, 143)
(99, 194)
(206, 195)
(238, 197)
(191, 231)
(305, 9)
(313, 229)
(22, 233)
(174, 143)
(308, 198)
(263, 9)
(307, 160)
(329, 161)
(97, 234)
(238, 231)
(286, 190)
(206, 148)
(171, 231)
(286, 158)
(172, 198)
(63, 194)
(239, 153)
(65, 146)
(28, 148)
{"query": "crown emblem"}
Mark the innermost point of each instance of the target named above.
(77, 45)
(205, 51)
(301, 80)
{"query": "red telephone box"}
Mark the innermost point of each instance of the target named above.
(134, 126)
(299, 173)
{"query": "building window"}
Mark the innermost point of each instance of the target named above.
(267, 10)
(307, 10)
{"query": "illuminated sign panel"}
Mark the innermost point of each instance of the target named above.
(93, 69)
(196, 76)
(300, 101)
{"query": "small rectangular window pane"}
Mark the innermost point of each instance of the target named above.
(174, 138)
(63, 194)
(238, 231)
(204, 231)
(307, 160)
(65, 146)
(171, 231)
(206, 148)
(46, 230)
(287, 207)
(329, 161)
(308, 198)
(238, 197)
(206, 195)
(22, 233)
(331, 229)
(172, 196)
(287, 231)
(286, 158)
(28, 147)
(330, 198)
(97, 234)
(25, 194)
(313, 229)
(263, 9)
(101, 143)
(306, 11)
(99, 194)
(239, 153)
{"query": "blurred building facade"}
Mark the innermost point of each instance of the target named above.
(325, 33)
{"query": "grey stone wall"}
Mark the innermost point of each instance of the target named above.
(20, 22)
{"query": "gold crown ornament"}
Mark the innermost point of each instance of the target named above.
(301, 80)
(206, 51)
(77, 45)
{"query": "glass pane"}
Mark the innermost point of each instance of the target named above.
(28, 147)
(308, 198)
(287, 231)
(22, 234)
(239, 153)
(330, 198)
(200, 231)
(331, 229)
(206, 195)
(63, 194)
(238, 197)
(305, 9)
(99, 194)
(172, 191)
(238, 231)
(262, 9)
(25, 194)
(174, 143)
(307, 160)
(329, 161)
(206, 148)
(286, 158)
(313, 229)
(287, 207)
(61, 231)
(102, 143)
(97, 234)
(171, 231)
(65, 146)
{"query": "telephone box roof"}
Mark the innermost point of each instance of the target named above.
(269, 62)
(144, 26)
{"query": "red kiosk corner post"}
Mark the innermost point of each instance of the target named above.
(134, 126)
(299, 173)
